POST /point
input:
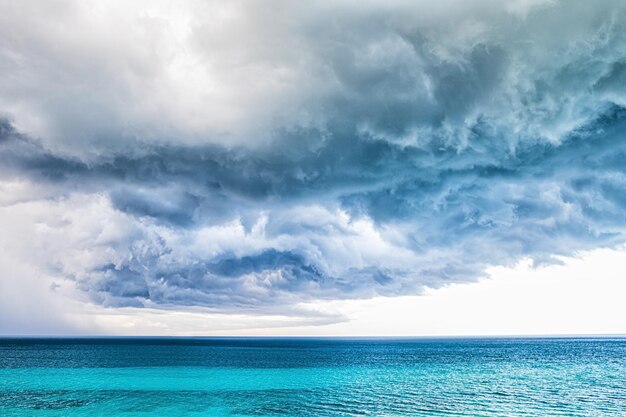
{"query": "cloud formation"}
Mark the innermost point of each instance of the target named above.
(249, 158)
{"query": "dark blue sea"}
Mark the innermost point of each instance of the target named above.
(171, 377)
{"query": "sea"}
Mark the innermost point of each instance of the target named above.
(168, 377)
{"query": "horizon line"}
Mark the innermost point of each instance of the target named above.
(329, 337)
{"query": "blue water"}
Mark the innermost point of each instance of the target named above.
(312, 377)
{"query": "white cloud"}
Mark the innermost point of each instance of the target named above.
(91, 78)
(584, 295)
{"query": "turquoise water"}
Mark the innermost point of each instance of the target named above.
(312, 377)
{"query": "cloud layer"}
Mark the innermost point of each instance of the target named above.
(249, 158)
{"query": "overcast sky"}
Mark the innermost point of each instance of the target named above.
(279, 167)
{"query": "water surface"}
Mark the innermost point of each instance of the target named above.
(312, 377)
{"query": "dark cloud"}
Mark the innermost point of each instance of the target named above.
(431, 156)
(543, 200)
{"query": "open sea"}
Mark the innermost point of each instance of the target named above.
(168, 377)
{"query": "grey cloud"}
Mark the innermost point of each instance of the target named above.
(542, 201)
(398, 70)
(417, 154)
(175, 208)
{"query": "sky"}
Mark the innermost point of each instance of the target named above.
(318, 168)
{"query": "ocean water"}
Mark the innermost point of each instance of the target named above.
(171, 377)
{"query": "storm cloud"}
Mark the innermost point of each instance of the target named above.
(253, 156)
